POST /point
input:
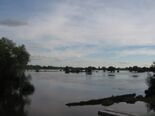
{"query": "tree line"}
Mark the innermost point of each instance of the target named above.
(70, 69)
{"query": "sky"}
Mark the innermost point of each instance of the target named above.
(82, 32)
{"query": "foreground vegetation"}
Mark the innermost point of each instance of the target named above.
(15, 86)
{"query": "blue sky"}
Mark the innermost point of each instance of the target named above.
(82, 32)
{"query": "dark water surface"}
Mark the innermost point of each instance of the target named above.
(54, 89)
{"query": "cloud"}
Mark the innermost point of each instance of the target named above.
(12, 23)
(90, 23)
(75, 32)
(137, 52)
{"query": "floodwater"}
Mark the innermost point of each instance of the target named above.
(54, 89)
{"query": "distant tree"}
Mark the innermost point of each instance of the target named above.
(99, 68)
(67, 70)
(104, 69)
(89, 70)
(135, 68)
(130, 69)
(111, 69)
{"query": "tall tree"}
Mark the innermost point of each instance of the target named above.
(13, 58)
(14, 84)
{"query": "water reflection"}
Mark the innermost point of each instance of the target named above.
(89, 76)
(148, 98)
(88, 72)
(14, 92)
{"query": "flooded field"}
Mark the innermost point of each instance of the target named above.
(54, 89)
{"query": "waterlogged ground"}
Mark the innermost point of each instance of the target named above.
(54, 89)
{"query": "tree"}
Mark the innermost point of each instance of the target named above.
(150, 80)
(111, 69)
(104, 69)
(13, 58)
(152, 67)
(14, 84)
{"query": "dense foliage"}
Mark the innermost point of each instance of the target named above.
(13, 58)
(14, 83)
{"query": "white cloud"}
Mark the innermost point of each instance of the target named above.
(87, 22)
(136, 52)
